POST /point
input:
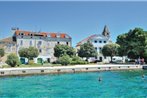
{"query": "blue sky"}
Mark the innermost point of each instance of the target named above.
(78, 19)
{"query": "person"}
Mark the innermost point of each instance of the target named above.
(136, 61)
(142, 61)
(99, 79)
(139, 61)
(142, 76)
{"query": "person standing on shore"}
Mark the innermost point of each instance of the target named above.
(142, 61)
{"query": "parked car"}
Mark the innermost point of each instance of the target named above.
(117, 59)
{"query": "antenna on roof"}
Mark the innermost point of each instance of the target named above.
(14, 28)
(39, 31)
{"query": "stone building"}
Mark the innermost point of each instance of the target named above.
(43, 41)
(9, 46)
(98, 41)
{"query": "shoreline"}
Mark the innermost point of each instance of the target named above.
(65, 69)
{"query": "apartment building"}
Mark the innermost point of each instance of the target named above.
(43, 41)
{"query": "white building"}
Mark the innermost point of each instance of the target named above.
(43, 41)
(98, 41)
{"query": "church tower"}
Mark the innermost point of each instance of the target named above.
(106, 31)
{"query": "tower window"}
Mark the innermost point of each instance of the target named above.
(100, 41)
(104, 41)
(66, 43)
(58, 42)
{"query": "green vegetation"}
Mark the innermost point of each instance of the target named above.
(77, 60)
(87, 50)
(64, 60)
(110, 50)
(61, 50)
(12, 60)
(133, 44)
(31, 62)
(67, 55)
(29, 53)
(2, 53)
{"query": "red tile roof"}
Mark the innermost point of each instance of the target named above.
(86, 39)
(44, 34)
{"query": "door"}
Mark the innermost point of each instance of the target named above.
(101, 59)
(39, 60)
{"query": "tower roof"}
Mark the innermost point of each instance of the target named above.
(106, 31)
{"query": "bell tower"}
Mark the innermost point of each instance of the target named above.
(106, 31)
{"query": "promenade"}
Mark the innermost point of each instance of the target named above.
(65, 69)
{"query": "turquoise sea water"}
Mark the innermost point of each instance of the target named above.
(114, 84)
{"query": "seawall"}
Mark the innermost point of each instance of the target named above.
(64, 69)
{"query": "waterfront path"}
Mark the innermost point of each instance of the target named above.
(66, 69)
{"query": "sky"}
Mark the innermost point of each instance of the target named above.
(79, 19)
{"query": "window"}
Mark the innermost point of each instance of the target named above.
(95, 41)
(48, 43)
(21, 36)
(100, 41)
(39, 42)
(104, 41)
(58, 42)
(95, 48)
(100, 48)
(30, 43)
(40, 51)
(66, 43)
(21, 42)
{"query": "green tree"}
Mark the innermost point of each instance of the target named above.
(110, 50)
(23, 52)
(29, 53)
(32, 53)
(133, 44)
(2, 53)
(64, 60)
(87, 50)
(61, 50)
(12, 60)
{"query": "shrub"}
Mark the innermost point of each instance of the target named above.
(31, 62)
(12, 60)
(2, 52)
(46, 62)
(64, 60)
(77, 60)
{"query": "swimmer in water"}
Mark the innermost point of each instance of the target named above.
(143, 76)
(99, 79)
